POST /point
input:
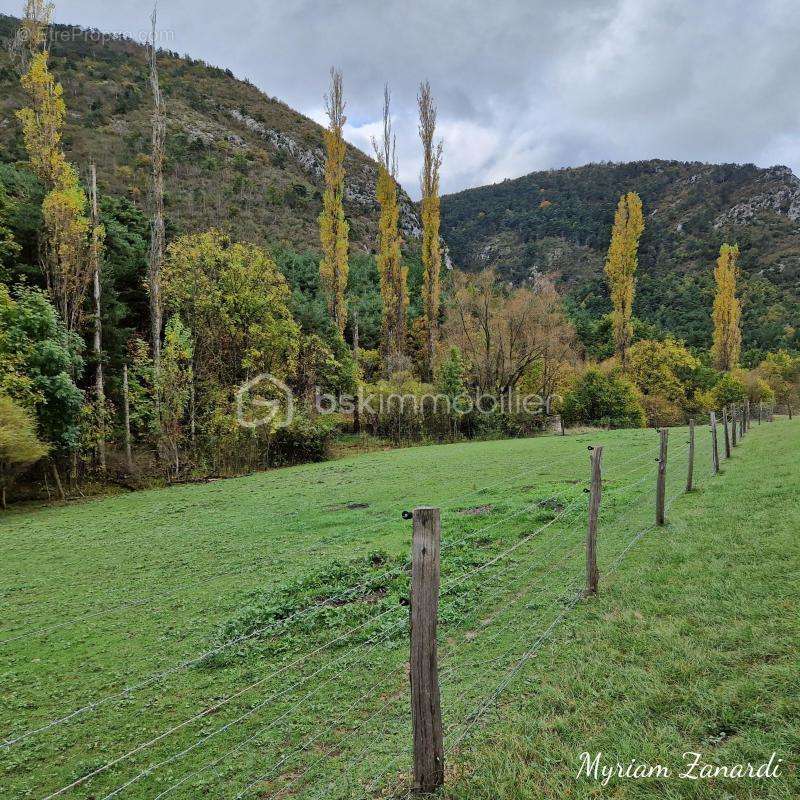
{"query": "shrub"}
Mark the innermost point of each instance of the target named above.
(606, 400)
(19, 445)
(304, 440)
(727, 391)
(661, 413)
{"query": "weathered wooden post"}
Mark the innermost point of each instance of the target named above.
(714, 450)
(690, 476)
(734, 428)
(742, 421)
(760, 411)
(592, 575)
(426, 709)
(748, 418)
(661, 486)
(727, 432)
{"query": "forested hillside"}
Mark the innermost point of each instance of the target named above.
(236, 159)
(559, 222)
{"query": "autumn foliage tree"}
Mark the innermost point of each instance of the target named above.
(65, 240)
(430, 213)
(727, 311)
(621, 264)
(503, 333)
(333, 227)
(393, 274)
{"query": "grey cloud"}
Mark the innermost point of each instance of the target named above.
(521, 84)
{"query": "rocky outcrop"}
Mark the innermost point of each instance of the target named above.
(780, 194)
(359, 185)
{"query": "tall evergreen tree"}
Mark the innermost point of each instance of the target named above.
(333, 227)
(621, 263)
(430, 212)
(727, 312)
(393, 274)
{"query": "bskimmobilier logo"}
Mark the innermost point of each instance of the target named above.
(264, 400)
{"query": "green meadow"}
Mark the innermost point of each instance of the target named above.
(248, 638)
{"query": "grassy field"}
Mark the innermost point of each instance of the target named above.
(248, 638)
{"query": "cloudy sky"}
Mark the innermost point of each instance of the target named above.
(521, 85)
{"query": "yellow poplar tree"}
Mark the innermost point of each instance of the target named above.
(621, 263)
(333, 227)
(393, 274)
(727, 310)
(431, 247)
(65, 251)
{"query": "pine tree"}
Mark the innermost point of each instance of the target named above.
(431, 247)
(66, 259)
(333, 227)
(727, 310)
(393, 274)
(621, 264)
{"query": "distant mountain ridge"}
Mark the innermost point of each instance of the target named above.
(558, 222)
(236, 158)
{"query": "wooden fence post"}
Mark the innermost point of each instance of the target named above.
(592, 575)
(426, 709)
(726, 428)
(749, 417)
(734, 428)
(760, 410)
(661, 487)
(690, 476)
(714, 450)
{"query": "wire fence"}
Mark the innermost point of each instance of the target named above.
(330, 718)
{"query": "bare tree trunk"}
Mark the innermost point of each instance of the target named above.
(192, 412)
(57, 479)
(157, 229)
(98, 334)
(127, 410)
(356, 356)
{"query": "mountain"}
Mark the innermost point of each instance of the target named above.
(236, 158)
(558, 222)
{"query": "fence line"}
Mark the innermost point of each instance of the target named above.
(461, 580)
(457, 581)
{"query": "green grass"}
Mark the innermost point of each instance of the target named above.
(691, 645)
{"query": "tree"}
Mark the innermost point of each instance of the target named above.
(159, 126)
(727, 311)
(38, 358)
(502, 333)
(621, 264)
(96, 254)
(65, 260)
(175, 380)
(450, 383)
(333, 227)
(599, 399)
(19, 445)
(9, 248)
(430, 213)
(664, 369)
(728, 390)
(236, 306)
(393, 274)
(781, 371)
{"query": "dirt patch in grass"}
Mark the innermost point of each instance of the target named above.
(477, 511)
